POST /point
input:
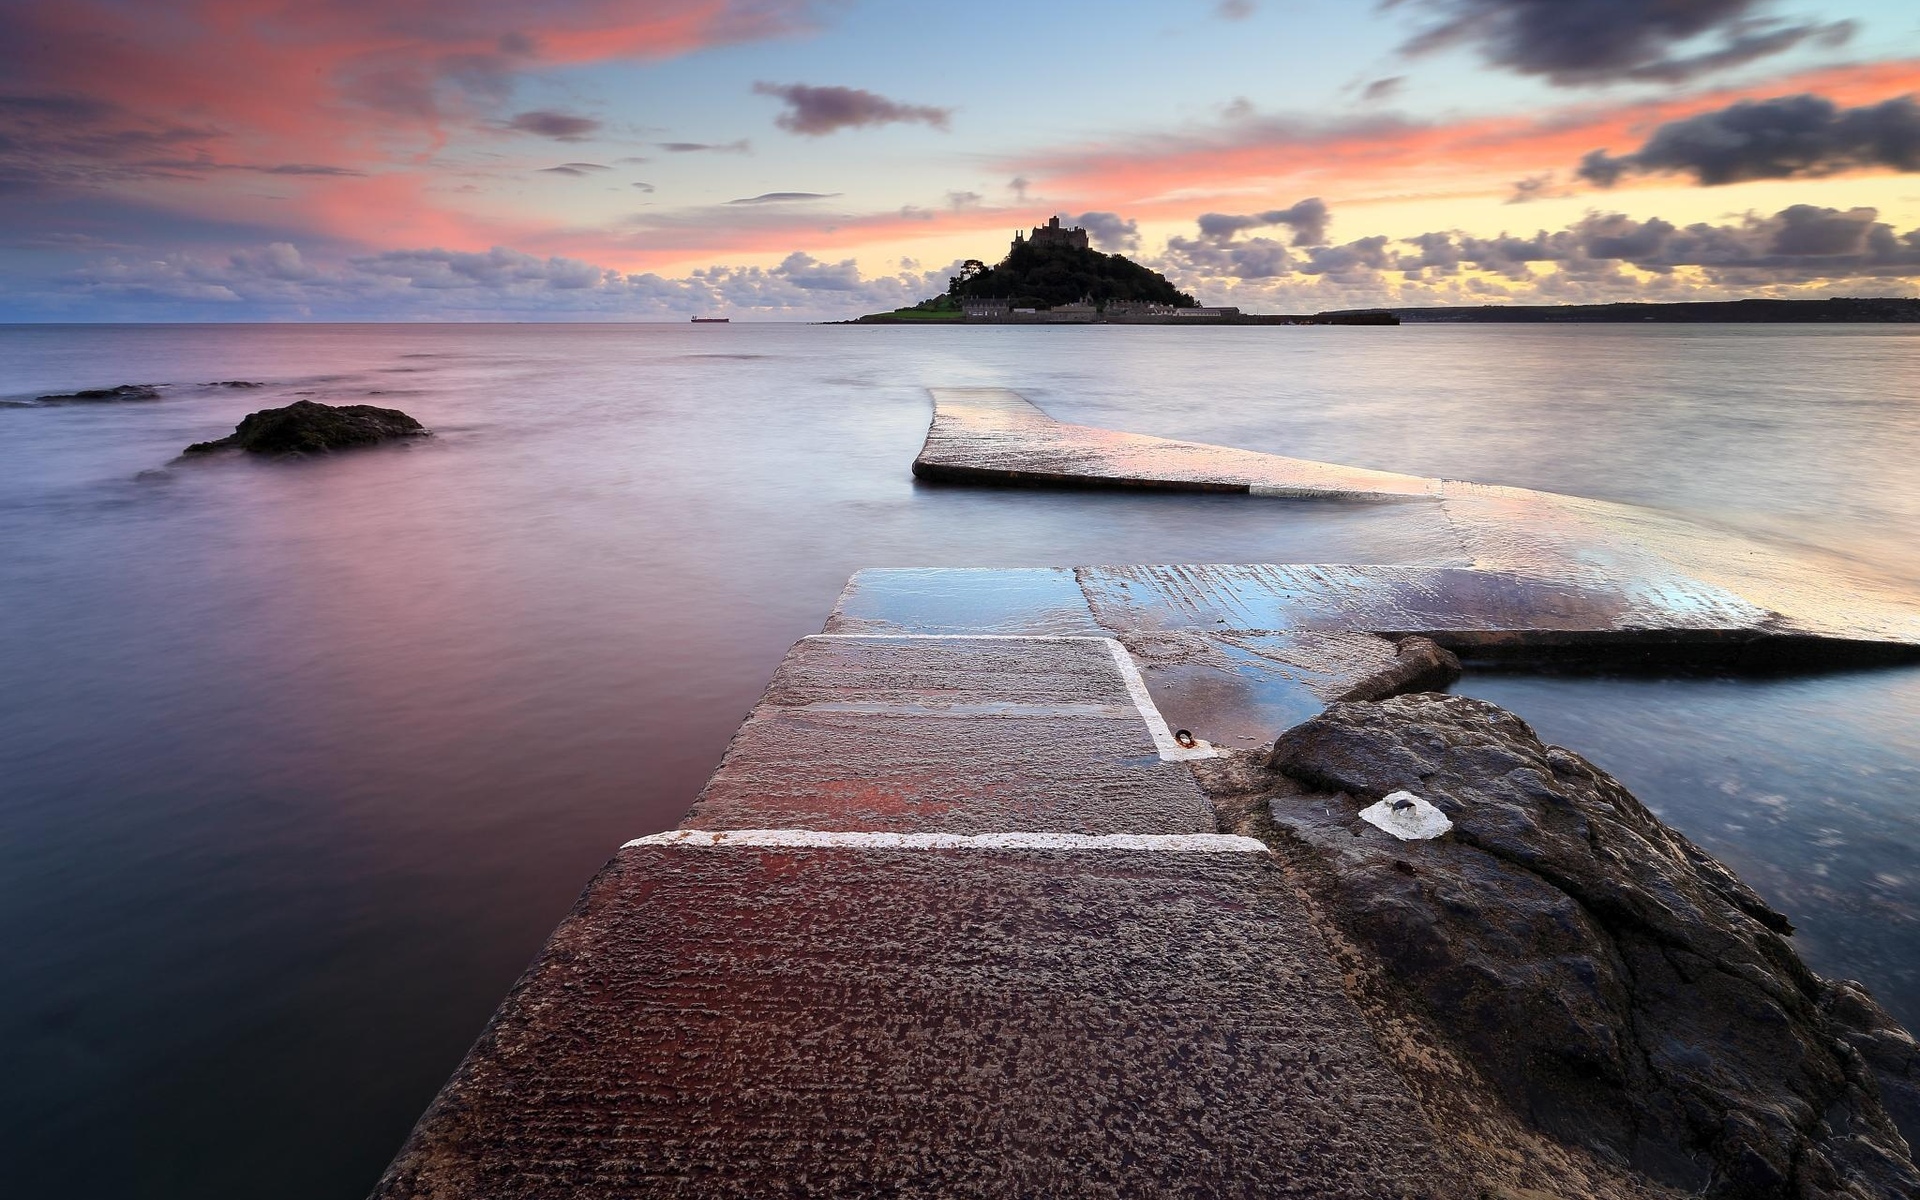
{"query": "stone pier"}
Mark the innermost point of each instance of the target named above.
(953, 917)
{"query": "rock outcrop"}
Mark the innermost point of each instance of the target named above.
(307, 427)
(1420, 665)
(126, 391)
(1619, 988)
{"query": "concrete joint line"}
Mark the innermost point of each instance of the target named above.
(1181, 843)
(1163, 739)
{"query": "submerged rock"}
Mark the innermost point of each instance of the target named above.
(1617, 986)
(126, 391)
(306, 427)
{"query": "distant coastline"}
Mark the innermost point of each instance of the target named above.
(1881, 310)
(1837, 309)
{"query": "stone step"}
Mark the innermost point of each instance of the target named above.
(956, 734)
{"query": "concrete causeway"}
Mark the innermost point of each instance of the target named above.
(951, 919)
(953, 916)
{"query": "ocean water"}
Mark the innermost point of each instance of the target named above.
(301, 761)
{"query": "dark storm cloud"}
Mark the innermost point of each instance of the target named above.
(1308, 220)
(1601, 41)
(818, 111)
(561, 127)
(1109, 231)
(1782, 138)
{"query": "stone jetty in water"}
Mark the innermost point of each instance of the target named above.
(1191, 880)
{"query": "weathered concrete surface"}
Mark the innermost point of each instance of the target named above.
(966, 735)
(982, 435)
(1564, 564)
(1618, 987)
(745, 1021)
(1232, 687)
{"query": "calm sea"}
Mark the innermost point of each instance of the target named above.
(300, 762)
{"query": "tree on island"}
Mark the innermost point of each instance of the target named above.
(1040, 274)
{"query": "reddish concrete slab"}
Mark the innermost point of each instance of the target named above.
(959, 734)
(752, 1021)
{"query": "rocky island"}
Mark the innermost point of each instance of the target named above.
(1053, 276)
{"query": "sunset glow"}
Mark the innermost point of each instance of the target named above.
(427, 159)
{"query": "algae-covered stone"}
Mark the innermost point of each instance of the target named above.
(306, 427)
(112, 395)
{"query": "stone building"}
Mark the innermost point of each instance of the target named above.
(1052, 234)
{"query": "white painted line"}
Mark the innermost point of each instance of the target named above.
(1189, 843)
(1163, 740)
(958, 637)
(1170, 750)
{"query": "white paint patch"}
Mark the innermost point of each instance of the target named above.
(1163, 740)
(1407, 817)
(1186, 843)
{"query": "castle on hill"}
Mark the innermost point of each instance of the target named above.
(1051, 234)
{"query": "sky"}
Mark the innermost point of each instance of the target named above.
(422, 160)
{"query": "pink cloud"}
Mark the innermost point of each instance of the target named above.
(100, 91)
(1171, 174)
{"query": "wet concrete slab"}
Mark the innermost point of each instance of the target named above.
(992, 435)
(1451, 605)
(959, 734)
(1031, 600)
(1238, 690)
(1535, 569)
(742, 1020)
(1810, 594)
